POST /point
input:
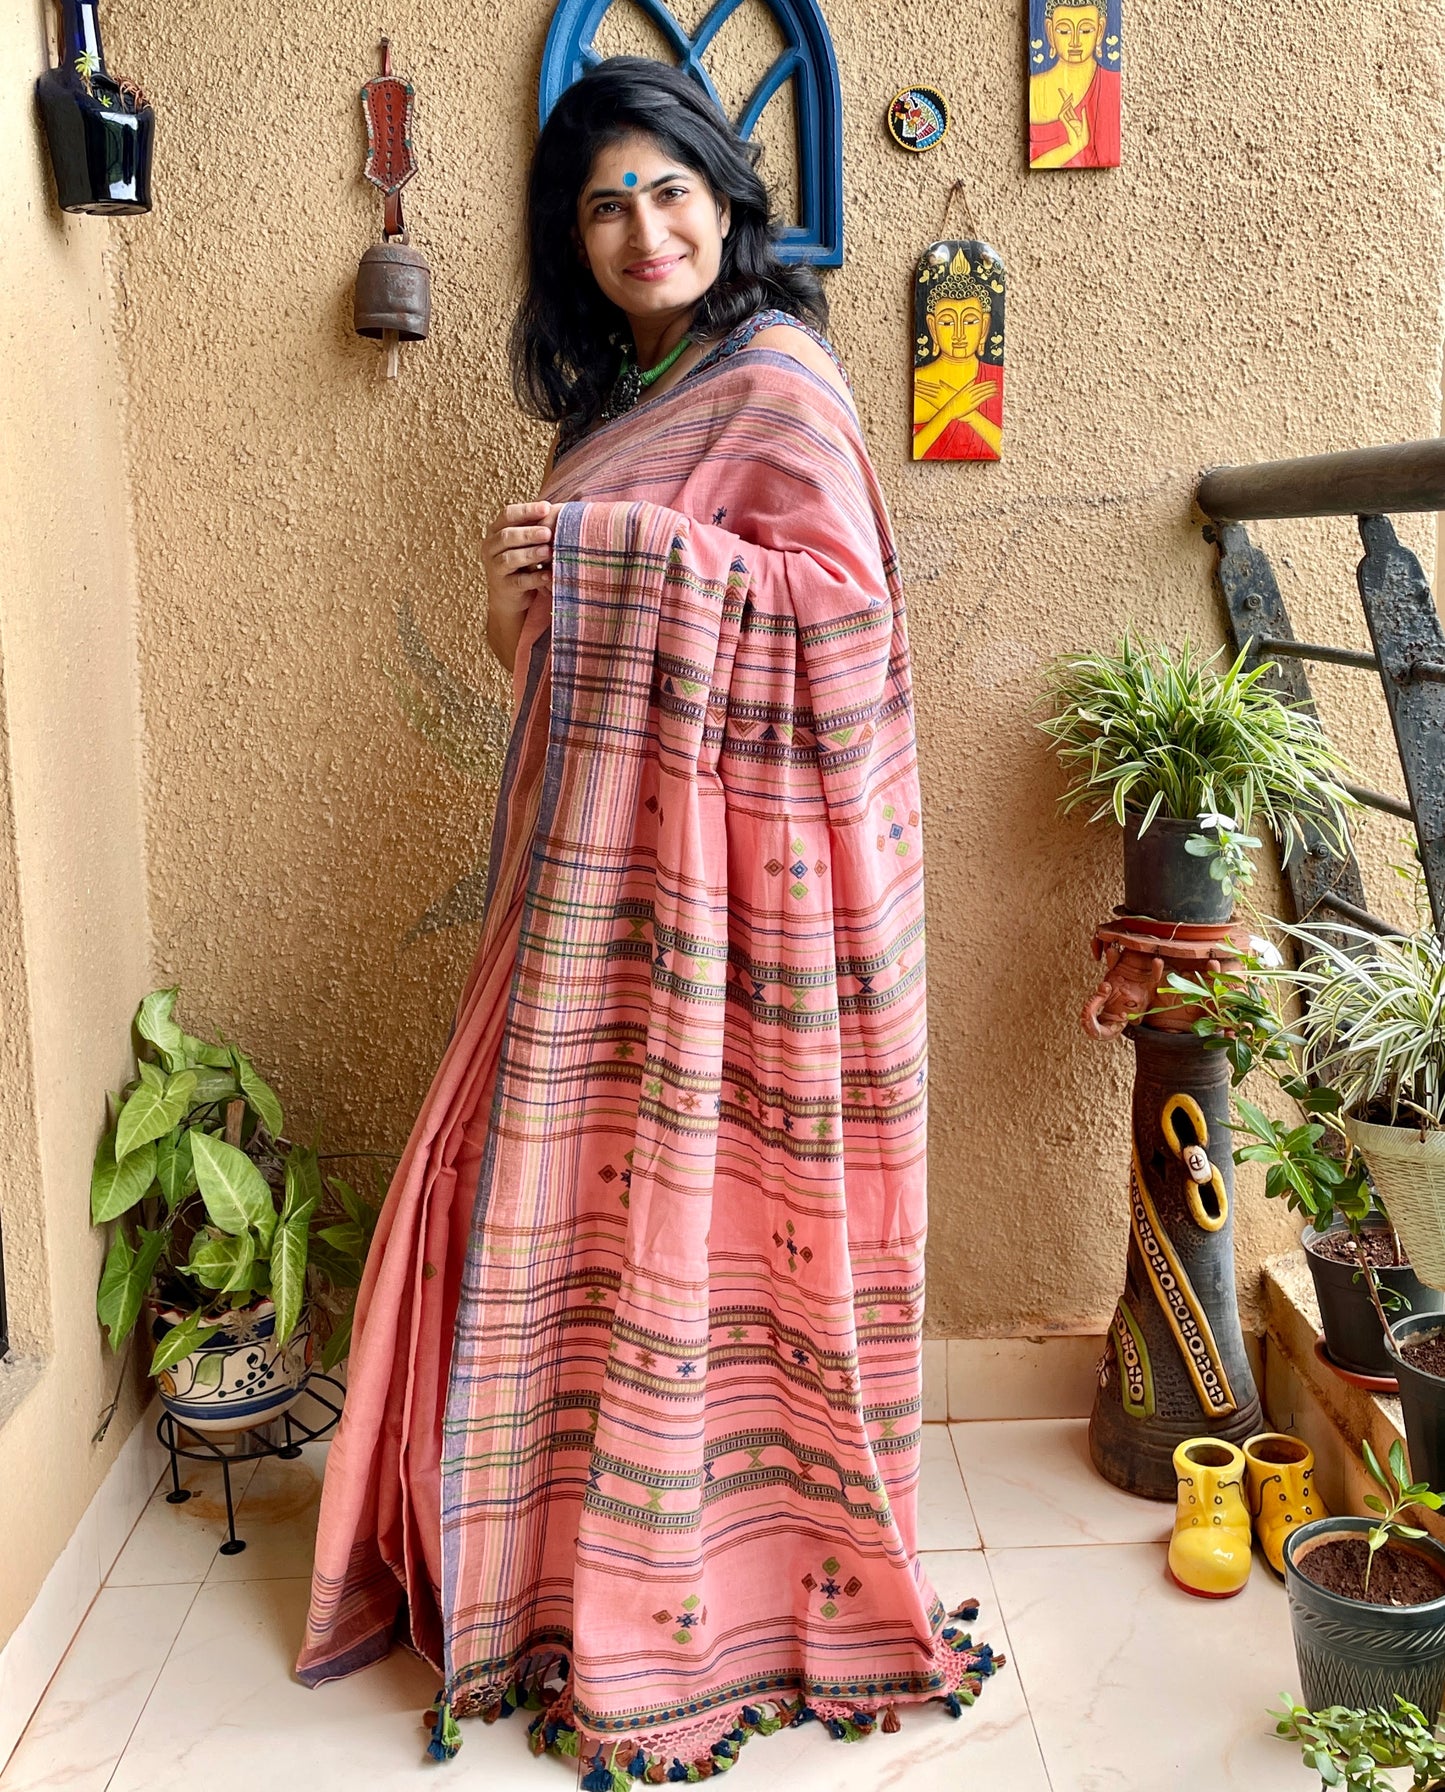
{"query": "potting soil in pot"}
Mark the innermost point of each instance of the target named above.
(1399, 1576)
(1427, 1354)
(1339, 1247)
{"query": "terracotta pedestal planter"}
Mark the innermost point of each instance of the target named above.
(1174, 1364)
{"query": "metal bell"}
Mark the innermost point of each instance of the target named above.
(393, 293)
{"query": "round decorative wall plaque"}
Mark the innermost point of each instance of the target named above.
(918, 119)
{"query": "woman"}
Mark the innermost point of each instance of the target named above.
(632, 1430)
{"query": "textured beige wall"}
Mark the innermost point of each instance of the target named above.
(73, 945)
(1263, 276)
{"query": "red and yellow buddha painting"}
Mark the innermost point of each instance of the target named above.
(1075, 54)
(958, 353)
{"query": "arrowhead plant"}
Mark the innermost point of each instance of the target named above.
(213, 1208)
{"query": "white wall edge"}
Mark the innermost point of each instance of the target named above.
(38, 1644)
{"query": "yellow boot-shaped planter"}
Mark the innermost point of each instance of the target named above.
(1280, 1472)
(1209, 1553)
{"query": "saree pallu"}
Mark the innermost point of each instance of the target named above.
(633, 1429)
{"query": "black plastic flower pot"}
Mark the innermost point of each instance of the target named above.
(1354, 1653)
(1354, 1338)
(1422, 1398)
(1164, 881)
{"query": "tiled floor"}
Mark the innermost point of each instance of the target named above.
(1116, 1682)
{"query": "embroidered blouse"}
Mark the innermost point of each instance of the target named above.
(737, 339)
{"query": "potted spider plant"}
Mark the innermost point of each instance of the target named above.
(242, 1257)
(1163, 741)
(1367, 1598)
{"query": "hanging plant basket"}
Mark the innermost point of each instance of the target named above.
(1408, 1168)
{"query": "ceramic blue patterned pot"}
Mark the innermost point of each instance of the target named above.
(1357, 1654)
(242, 1377)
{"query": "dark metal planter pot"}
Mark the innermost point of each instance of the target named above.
(1422, 1398)
(1351, 1325)
(1161, 878)
(1357, 1654)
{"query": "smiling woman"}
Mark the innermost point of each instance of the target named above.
(633, 1424)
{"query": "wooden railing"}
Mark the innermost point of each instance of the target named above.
(1409, 644)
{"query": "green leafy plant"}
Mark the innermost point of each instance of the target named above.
(1394, 1497)
(213, 1208)
(1310, 1164)
(1223, 842)
(1352, 1750)
(1148, 730)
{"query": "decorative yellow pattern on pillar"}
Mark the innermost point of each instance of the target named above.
(1178, 1300)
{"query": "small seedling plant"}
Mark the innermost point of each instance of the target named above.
(1395, 1495)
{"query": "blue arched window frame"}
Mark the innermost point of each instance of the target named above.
(807, 54)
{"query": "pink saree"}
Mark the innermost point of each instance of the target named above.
(633, 1429)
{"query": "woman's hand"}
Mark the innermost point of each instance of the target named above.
(517, 557)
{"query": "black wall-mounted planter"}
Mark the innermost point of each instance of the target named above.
(100, 129)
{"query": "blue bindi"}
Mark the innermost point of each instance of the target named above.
(629, 180)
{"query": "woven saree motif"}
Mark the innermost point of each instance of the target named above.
(679, 1447)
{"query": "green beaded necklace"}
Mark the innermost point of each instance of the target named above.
(632, 381)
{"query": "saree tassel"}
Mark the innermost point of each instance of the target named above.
(637, 1766)
(890, 1721)
(446, 1737)
(656, 1774)
(752, 1716)
(599, 1778)
(677, 1771)
(968, 1611)
(953, 1705)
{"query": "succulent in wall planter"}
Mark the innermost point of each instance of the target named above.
(1175, 750)
(240, 1253)
(1367, 1599)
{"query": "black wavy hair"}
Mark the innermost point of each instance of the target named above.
(566, 334)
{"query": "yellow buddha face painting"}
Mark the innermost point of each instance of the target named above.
(958, 328)
(1073, 32)
(958, 354)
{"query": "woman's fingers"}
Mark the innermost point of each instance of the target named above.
(535, 511)
(517, 537)
(512, 559)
